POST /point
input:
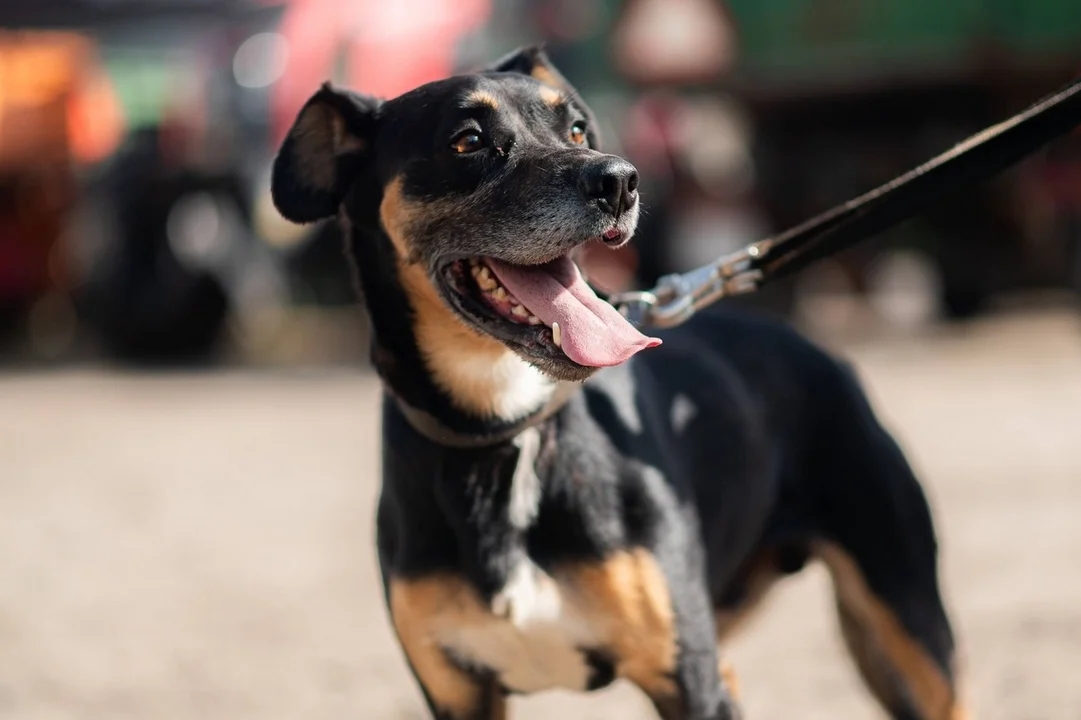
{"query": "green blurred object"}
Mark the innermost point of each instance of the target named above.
(793, 42)
(142, 87)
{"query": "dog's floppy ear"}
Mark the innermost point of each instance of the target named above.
(533, 61)
(326, 148)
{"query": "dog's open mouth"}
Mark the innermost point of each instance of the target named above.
(547, 307)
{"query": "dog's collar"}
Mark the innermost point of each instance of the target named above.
(438, 432)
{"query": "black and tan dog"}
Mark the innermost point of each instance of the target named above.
(545, 525)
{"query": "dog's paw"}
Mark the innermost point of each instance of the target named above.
(529, 596)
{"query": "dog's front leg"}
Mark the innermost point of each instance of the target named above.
(658, 617)
(421, 609)
(704, 685)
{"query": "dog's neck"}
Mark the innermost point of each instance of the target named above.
(428, 358)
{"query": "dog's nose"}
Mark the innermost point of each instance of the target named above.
(612, 182)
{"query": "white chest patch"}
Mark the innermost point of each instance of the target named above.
(525, 485)
(514, 388)
(533, 639)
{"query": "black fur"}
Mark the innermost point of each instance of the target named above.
(733, 441)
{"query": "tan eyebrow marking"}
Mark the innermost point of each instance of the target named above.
(551, 96)
(483, 97)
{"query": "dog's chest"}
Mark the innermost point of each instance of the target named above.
(576, 623)
(535, 636)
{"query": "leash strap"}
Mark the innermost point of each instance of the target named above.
(677, 297)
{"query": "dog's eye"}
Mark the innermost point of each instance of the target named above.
(467, 142)
(578, 132)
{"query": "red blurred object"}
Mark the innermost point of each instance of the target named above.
(387, 47)
(48, 81)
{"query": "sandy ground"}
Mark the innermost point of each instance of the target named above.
(200, 546)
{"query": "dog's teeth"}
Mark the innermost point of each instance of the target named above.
(499, 293)
(519, 311)
(485, 279)
(534, 320)
(557, 335)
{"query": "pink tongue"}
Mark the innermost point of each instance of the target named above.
(593, 332)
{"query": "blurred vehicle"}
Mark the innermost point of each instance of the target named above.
(1050, 203)
(169, 234)
(159, 143)
(43, 77)
(845, 96)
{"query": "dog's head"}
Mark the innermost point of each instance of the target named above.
(484, 184)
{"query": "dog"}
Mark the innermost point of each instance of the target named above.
(567, 501)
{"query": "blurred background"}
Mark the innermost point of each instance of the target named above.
(187, 427)
(136, 138)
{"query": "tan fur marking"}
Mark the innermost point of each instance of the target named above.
(730, 678)
(483, 97)
(623, 600)
(440, 334)
(934, 697)
(394, 214)
(760, 580)
(628, 596)
(414, 606)
(321, 136)
(545, 76)
(550, 96)
(463, 362)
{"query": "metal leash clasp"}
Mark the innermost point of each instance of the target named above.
(679, 296)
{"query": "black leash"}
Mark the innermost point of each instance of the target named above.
(981, 156)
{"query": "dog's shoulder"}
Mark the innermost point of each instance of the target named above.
(734, 351)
